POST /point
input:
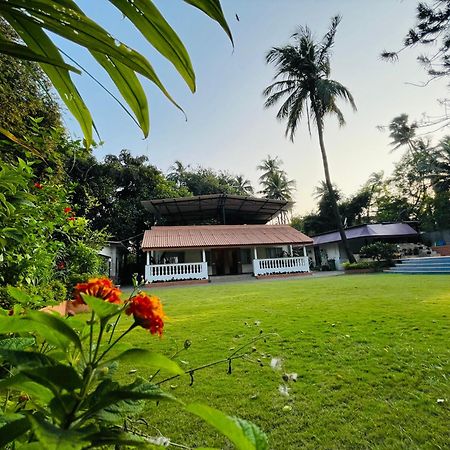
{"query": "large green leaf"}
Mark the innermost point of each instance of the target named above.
(23, 52)
(61, 376)
(62, 18)
(108, 394)
(243, 435)
(22, 359)
(21, 383)
(56, 323)
(149, 359)
(17, 343)
(212, 9)
(130, 88)
(150, 22)
(39, 42)
(13, 430)
(54, 438)
(101, 307)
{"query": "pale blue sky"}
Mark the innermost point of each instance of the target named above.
(227, 127)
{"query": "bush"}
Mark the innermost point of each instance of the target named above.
(374, 265)
(379, 251)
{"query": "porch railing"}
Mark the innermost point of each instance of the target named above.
(174, 272)
(280, 265)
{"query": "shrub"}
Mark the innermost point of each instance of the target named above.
(374, 265)
(379, 251)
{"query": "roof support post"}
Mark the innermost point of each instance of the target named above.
(148, 258)
(304, 251)
(203, 255)
(290, 251)
(255, 253)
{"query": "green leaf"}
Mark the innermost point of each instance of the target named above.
(21, 383)
(54, 438)
(64, 18)
(35, 38)
(61, 376)
(150, 22)
(130, 88)
(253, 433)
(213, 9)
(56, 323)
(243, 440)
(23, 52)
(17, 343)
(22, 359)
(19, 295)
(102, 308)
(149, 359)
(13, 430)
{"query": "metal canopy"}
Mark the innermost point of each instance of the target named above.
(215, 209)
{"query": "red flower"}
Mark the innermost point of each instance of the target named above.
(97, 287)
(61, 265)
(38, 185)
(71, 218)
(148, 313)
(67, 210)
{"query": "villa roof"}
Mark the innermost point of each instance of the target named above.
(208, 236)
(219, 208)
(376, 230)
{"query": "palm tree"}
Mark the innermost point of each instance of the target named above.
(269, 166)
(439, 166)
(243, 185)
(278, 187)
(303, 82)
(177, 172)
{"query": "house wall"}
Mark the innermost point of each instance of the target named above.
(112, 253)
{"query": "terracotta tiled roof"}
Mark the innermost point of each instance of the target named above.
(207, 236)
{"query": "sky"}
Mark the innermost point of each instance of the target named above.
(227, 127)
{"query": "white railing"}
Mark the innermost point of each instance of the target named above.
(174, 272)
(280, 265)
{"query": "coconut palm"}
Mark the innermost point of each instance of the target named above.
(269, 166)
(303, 83)
(243, 185)
(278, 187)
(439, 166)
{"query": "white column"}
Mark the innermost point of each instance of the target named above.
(304, 251)
(148, 258)
(255, 253)
(290, 250)
(203, 255)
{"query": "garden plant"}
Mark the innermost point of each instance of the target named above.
(58, 384)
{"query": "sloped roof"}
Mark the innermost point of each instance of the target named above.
(222, 208)
(208, 236)
(376, 230)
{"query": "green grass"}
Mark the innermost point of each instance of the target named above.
(371, 353)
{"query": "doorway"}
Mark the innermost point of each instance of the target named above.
(226, 261)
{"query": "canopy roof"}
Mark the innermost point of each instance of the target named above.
(215, 208)
(376, 230)
(210, 236)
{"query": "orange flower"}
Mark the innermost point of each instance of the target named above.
(97, 287)
(148, 313)
(38, 185)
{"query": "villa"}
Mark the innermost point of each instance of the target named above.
(195, 238)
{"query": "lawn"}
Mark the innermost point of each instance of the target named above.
(371, 353)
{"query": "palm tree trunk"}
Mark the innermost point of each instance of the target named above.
(350, 256)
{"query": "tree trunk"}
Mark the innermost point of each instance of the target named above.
(337, 215)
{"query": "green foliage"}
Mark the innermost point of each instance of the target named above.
(42, 243)
(30, 18)
(60, 390)
(361, 265)
(379, 251)
(24, 92)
